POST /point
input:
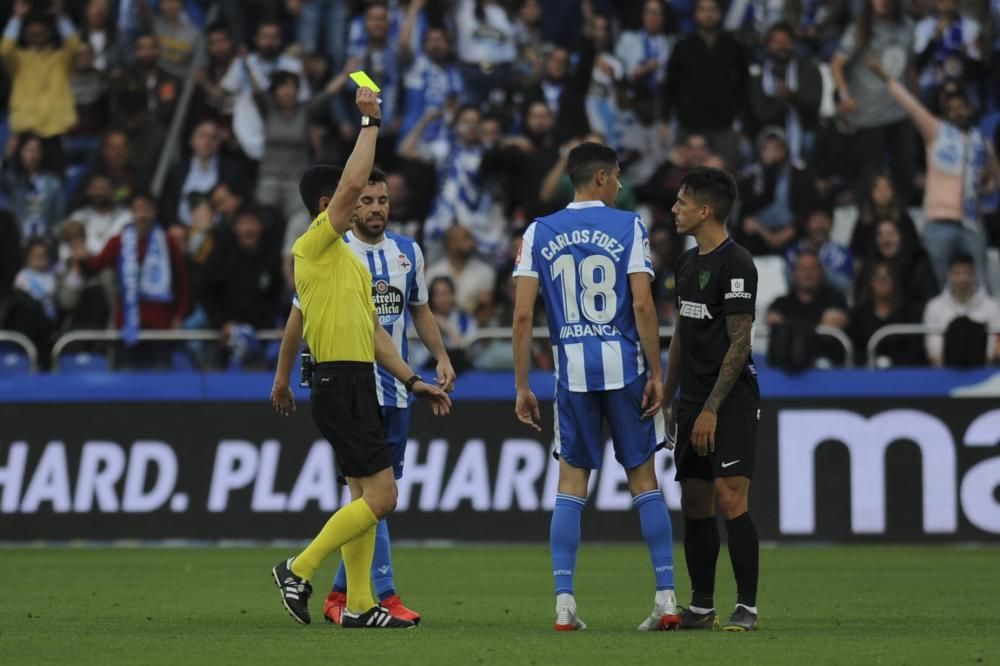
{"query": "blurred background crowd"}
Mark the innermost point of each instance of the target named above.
(152, 151)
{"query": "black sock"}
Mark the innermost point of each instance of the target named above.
(744, 553)
(701, 550)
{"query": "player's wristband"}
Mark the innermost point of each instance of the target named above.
(413, 380)
(371, 121)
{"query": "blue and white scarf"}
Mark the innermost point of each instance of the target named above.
(464, 199)
(655, 47)
(793, 123)
(964, 154)
(148, 280)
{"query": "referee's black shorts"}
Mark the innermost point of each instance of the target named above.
(346, 410)
(735, 444)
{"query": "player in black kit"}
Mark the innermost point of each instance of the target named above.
(718, 410)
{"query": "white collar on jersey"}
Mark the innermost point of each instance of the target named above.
(585, 204)
(351, 237)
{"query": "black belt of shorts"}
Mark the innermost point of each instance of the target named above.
(331, 368)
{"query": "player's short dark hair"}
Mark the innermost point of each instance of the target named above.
(586, 159)
(712, 186)
(961, 258)
(318, 182)
(322, 180)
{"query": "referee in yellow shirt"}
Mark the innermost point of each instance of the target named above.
(344, 334)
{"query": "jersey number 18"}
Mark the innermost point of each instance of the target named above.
(597, 298)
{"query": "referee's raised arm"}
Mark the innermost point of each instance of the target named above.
(359, 164)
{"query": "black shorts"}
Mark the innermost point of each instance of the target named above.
(345, 409)
(735, 443)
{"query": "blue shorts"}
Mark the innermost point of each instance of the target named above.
(397, 431)
(579, 426)
(396, 422)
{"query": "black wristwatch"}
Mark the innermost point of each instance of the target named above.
(370, 121)
(413, 380)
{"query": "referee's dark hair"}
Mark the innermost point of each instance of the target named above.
(322, 180)
(713, 187)
(587, 159)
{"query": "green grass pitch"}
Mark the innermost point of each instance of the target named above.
(493, 605)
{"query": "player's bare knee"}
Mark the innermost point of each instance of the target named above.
(697, 499)
(732, 500)
(642, 479)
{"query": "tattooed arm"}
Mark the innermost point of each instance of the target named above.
(738, 327)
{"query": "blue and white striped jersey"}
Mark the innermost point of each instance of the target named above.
(397, 268)
(582, 257)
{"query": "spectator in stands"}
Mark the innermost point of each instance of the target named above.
(99, 32)
(153, 286)
(214, 100)
(326, 18)
(660, 189)
(432, 82)
(787, 92)
(114, 160)
(809, 303)
(82, 297)
(881, 303)
(257, 68)
(456, 323)
(462, 197)
(35, 194)
(879, 202)
(820, 26)
(486, 47)
(39, 50)
(199, 173)
(177, 37)
(102, 218)
(661, 245)
(521, 162)
(706, 84)
(961, 166)
(384, 56)
(878, 122)
(10, 257)
(469, 274)
(242, 282)
(33, 310)
(644, 53)
(962, 299)
(947, 46)
(402, 215)
(90, 88)
(837, 260)
(530, 41)
(777, 196)
(909, 260)
(287, 125)
(144, 99)
(603, 112)
(564, 90)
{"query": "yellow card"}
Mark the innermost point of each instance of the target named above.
(364, 81)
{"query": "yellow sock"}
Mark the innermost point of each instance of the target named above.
(345, 525)
(358, 562)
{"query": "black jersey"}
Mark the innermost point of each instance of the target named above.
(709, 287)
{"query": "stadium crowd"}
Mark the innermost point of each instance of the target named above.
(863, 135)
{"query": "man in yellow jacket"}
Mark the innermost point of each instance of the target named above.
(41, 100)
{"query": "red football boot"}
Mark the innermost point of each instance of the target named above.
(334, 605)
(396, 608)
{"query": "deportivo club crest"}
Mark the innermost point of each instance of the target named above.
(703, 278)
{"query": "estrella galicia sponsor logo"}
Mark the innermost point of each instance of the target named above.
(736, 289)
(388, 301)
(695, 310)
